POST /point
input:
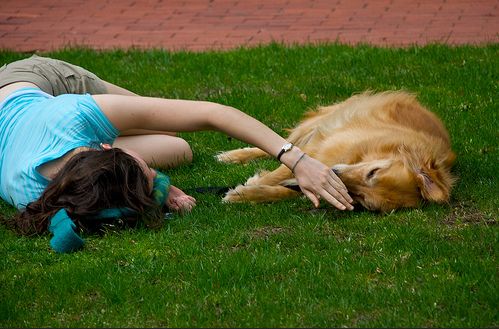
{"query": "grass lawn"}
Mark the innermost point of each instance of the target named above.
(284, 264)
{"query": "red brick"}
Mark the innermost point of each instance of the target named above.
(223, 24)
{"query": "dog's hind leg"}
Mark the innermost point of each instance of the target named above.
(258, 193)
(241, 155)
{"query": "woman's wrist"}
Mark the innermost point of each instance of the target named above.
(292, 157)
(298, 161)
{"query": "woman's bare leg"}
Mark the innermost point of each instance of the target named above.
(159, 151)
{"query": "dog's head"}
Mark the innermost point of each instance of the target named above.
(402, 181)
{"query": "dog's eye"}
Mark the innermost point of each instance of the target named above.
(371, 173)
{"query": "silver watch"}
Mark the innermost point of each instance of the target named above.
(285, 148)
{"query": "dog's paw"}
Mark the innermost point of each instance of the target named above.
(223, 157)
(242, 155)
(229, 157)
(234, 195)
(254, 180)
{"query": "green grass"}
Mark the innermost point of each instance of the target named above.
(283, 264)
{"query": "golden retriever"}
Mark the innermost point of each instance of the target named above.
(387, 148)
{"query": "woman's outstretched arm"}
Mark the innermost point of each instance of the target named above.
(135, 112)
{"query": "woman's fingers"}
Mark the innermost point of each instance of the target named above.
(339, 187)
(312, 197)
(339, 198)
(331, 196)
(335, 192)
(186, 203)
(183, 203)
(329, 193)
(316, 180)
(336, 179)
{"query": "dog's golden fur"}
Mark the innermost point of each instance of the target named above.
(387, 148)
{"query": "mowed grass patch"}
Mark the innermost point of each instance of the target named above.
(285, 263)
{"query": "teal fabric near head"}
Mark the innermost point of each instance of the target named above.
(65, 239)
(161, 188)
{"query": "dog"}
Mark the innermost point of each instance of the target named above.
(388, 150)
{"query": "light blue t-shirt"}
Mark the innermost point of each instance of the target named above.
(35, 128)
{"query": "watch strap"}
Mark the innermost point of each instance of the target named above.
(285, 148)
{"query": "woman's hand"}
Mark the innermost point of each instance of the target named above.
(179, 201)
(316, 180)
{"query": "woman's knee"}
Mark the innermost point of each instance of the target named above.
(158, 150)
(170, 152)
(183, 149)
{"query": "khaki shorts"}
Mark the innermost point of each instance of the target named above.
(53, 76)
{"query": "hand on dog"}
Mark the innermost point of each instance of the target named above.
(317, 180)
(179, 201)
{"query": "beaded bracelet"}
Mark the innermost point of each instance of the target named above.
(299, 159)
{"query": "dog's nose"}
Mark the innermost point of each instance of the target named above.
(336, 171)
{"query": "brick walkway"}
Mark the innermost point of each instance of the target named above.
(41, 25)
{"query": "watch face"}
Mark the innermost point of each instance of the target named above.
(287, 147)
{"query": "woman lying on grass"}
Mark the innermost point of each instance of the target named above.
(76, 151)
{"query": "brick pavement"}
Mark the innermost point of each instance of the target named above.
(42, 25)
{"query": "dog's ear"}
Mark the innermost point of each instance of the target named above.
(432, 187)
(449, 159)
(432, 178)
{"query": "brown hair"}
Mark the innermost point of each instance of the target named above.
(89, 182)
